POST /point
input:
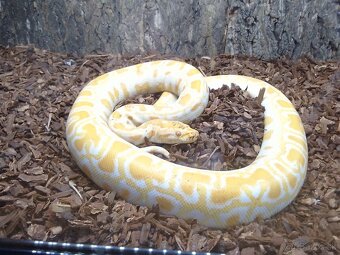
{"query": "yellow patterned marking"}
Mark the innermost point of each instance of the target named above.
(119, 126)
(136, 137)
(284, 103)
(184, 99)
(233, 220)
(125, 90)
(298, 141)
(160, 87)
(124, 193)
(196, 106)
(155, 63)
(267, 135)
(107, 163)
(296, 156)
(116, 115)
(193, 72)
(106, 103)
(79, 143)
(171, 63)
(137, 165)
(164, 204)
(83, 103)
(196, 85)
(268, 121)
(292, 180)
(191, 180)
(182, 65)
(139, 68)
(142, 88)
(237, 184)
(80, 114)
(118, 147)
(99, 80)
(295, 123)
(142, 108)
(271, 90)
(114, 94)
(85, 93)
(91, 132)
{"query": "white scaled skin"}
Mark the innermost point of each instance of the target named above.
(215, 198)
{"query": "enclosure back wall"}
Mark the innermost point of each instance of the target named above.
(263, 28)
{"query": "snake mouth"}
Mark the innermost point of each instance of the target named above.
(189, 136)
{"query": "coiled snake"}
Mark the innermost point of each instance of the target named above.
(101, 143)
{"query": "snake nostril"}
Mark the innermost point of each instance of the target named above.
(178, 133)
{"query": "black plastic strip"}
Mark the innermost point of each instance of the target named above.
(10, 246)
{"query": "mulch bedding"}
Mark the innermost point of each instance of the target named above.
(44, 195)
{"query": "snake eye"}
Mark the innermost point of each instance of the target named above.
(178, 133)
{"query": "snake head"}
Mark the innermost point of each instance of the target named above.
(170, 132)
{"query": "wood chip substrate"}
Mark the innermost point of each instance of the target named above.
(45, 196)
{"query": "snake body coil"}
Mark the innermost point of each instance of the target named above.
(215, 198)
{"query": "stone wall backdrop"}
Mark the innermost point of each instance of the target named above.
(266, 29)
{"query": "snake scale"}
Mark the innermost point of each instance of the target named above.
(102, 143)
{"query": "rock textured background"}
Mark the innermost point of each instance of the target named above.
(265, 29)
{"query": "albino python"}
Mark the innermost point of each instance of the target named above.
(101, 143)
